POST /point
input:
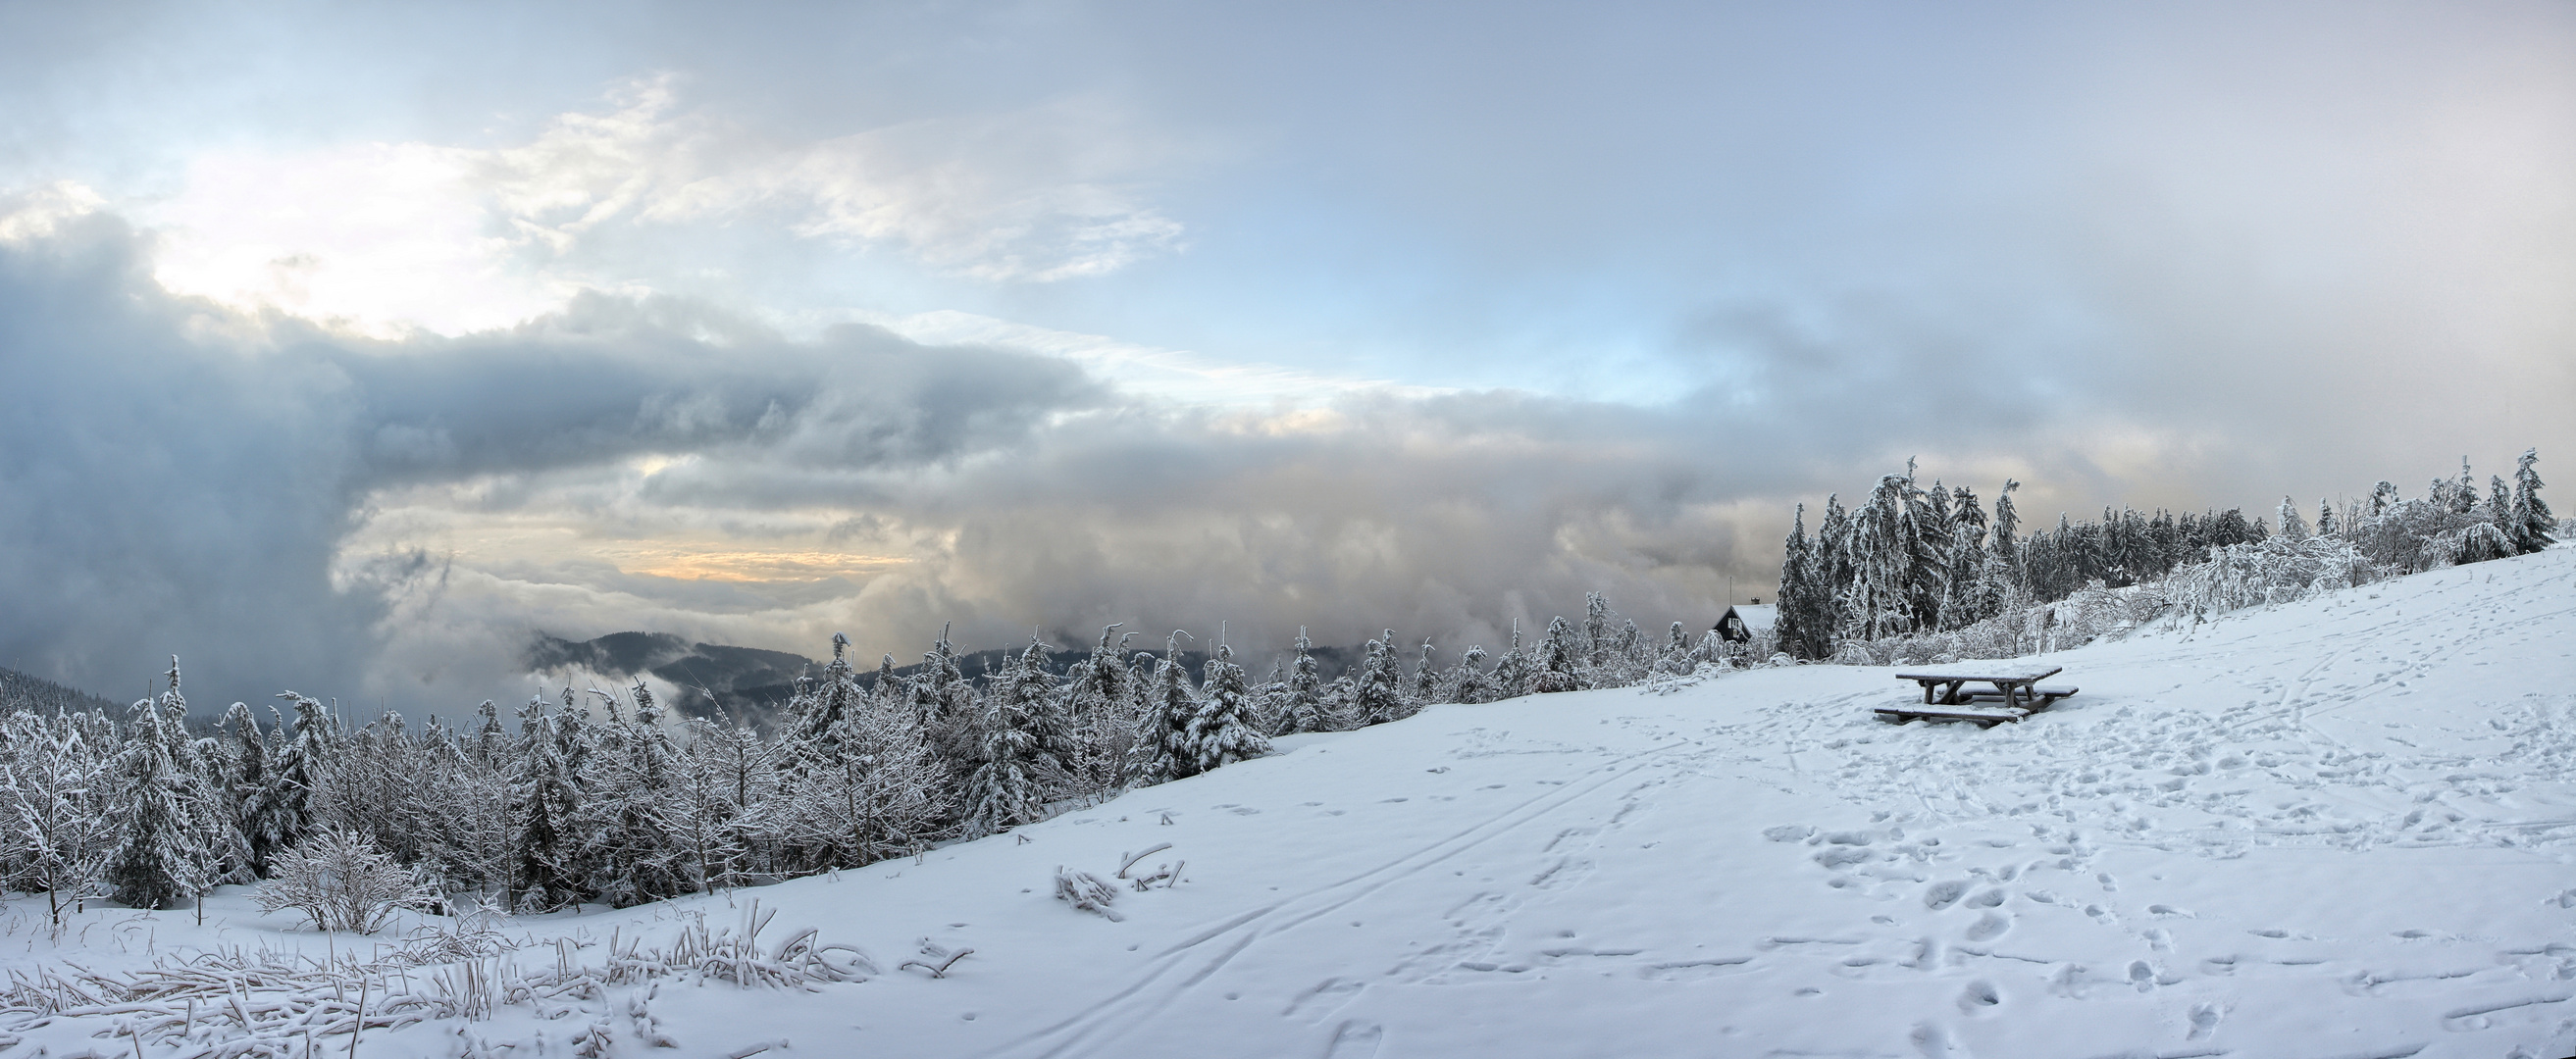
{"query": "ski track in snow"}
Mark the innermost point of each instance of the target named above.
(2330, 830)
(1154, 991)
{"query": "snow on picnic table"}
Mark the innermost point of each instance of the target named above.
(2333, 829)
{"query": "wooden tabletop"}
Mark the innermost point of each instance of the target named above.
(2023, 676)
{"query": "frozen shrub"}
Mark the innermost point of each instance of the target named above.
(1085, 891)
(2269, 571)
(340, 881)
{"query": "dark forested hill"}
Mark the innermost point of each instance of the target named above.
(750, 683)
(18, 691)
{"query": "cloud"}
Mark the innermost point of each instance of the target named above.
(182, 478)
(381, 237)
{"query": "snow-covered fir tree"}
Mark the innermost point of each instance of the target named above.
(1377, 691)
(289, 810)
(1559, 659)
(1303, 709)
(1007, 787)
(630, 816)
(2292, 526)
(2538, 526)
(1099, 716)
(1426, 680)
(1165, 752)
(1514, 676)
(162, 860)
(1467, 681)
(1222, 732)
(545, 802)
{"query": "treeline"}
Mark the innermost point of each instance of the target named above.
(597, 796)
(1917, 563)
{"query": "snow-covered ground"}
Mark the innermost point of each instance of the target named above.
(2340, 828)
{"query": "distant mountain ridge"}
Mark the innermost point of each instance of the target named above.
(18, 691)
(750, 683)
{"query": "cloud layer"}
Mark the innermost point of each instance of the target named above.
(282, 505)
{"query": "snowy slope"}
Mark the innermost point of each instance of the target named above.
(2332, 829)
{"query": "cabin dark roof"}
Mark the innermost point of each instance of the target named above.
(1744, 620)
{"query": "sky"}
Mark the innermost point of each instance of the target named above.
(345, 348)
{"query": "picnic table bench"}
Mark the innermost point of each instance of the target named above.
(1947, 697)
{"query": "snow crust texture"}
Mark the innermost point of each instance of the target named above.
(2336, 829)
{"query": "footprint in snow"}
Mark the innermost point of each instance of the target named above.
(1325, 998)
(1936, 1044)
(1943, 894)
(1989, 927)
(1355, 1040)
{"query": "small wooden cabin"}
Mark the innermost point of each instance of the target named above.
(1742, 621)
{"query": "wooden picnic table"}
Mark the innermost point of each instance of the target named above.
(1946, 696)
(2014, 686)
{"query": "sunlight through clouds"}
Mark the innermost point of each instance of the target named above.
(385, 237)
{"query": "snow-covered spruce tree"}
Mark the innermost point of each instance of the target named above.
(1628, 655)
(1222, 732)
(1675, 658)
(631, 815)
(2007, 525)
(1426, 681)
(2326, 524)
(1805, 622)
(2382, 497)
(1304, 709)
(2498, 511)
(1468, 682)
(1100, 725)
(1973, 595)
(58, 794)
(1558, 660)
(943, 704)
(814, 712)
(1270, 699)
(248, 783)
(200, 768)
(1377, 693)
(162, 861)
(1596, 631)
(1170, 705)
(2538, 525)
(1876, 602)
(289, 808)
(1013, 771)
(817, 719)
(1513, 676)
(545, 803)
(2293, 528)
(1928, 563)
